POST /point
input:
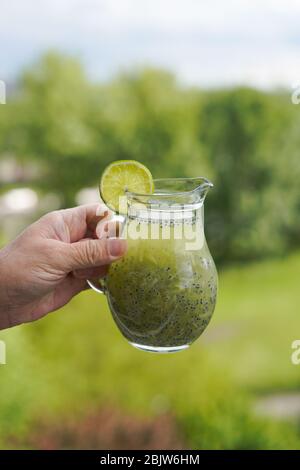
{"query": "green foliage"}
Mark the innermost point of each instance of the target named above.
(246, 141)
(74, 128)
(75, 360)
(255, 202)
(229, 426)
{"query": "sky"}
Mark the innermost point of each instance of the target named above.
(206, 43)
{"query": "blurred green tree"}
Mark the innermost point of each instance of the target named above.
(253, 207)
(155, 121)
(56, 101)
(74, 128)
(245, 140)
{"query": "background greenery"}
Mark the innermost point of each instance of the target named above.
(246, 141)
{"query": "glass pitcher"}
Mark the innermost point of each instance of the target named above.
(162, 293)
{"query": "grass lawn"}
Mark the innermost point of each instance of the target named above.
(76, 360)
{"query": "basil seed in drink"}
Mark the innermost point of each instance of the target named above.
(162, 295)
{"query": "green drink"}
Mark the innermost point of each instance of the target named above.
(161, 294)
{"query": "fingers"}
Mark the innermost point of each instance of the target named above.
(70, 287)
(93, 253)
(82, 221)
(108, 229)
(103, 215)
(104, 229)
(91, 273)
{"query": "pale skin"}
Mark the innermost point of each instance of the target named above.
(49, 263)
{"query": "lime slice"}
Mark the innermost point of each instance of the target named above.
(122, 176)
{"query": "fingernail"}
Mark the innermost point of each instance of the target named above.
(116, 246)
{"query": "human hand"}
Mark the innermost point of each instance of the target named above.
(48, 263)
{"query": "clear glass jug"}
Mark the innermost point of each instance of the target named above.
(162, 293)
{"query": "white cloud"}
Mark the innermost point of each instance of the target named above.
(211, 42)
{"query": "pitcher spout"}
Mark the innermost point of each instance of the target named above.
(186, 192)
(204, 186)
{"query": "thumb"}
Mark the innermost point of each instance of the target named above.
(90, 253)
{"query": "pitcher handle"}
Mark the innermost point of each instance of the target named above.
(100, 288)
